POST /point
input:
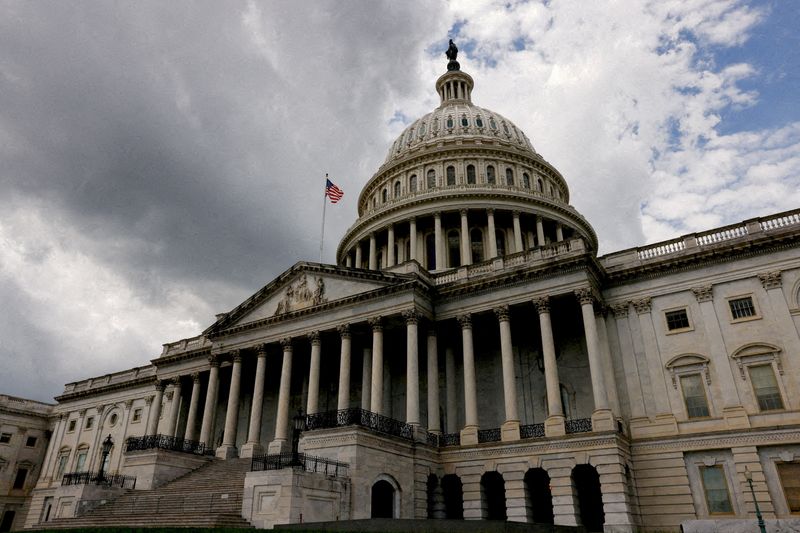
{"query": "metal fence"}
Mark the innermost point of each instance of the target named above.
(578, 425)
(309, 463)
(97, 478)
(360, 417)
(164, 442)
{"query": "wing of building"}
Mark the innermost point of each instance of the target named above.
(469, 356)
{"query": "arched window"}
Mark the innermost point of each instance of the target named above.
(396, 189)
(412, 183)
(500, 237)
(509, 177)
(526, 180)
(476, 242)
(449, 122)
(453, 249)
(490, 177)
(464, 121)
(430, 251)
(382, 499)
(431, 179)
(471, 174)
(451, 175)
(539, 185)
(479, 122)
(80, 458)
(385, 195)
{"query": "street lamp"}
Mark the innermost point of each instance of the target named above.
(749, 477)
(299, 426)
(107, 445)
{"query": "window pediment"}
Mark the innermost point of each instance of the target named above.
(757, 352)
(688, 363)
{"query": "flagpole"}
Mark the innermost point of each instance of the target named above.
(324, 205)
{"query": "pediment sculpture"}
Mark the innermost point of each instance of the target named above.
(299, 295)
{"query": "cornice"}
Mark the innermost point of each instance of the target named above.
(145, 380)
(753, 437)
(178, 357)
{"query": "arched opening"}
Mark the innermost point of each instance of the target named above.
(500, 239)
(382, 499)
(538, 495)
(451, 175)
(471, 174)
(408, 250)
(385, 195)
(476, 243)
(539, 185)
(412, 183)
(430, 251)
(8, 520)
(453, 497)
(396, 189)
(526, 180)
(433, 484)
(453, 249)
(586, 481)
(509, 177)
(490, 177)
(431, 179)
(493, 496)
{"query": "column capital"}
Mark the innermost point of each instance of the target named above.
(463, 211)
(82, 412)
(168, 395)
(585, 296)
(148, 400)
(261, 350)
(314, 338)
(437, 214)
(431, 328)
(376, 323)
(542, 304)
(465, 321)
(704, 293)
(412, 220)
(176, 381)
(503, 313)
(642, 305)
(195, 377)
(344, 331)
(213, 360)
(128, 405)
(411, 316)
(515, 213)
(236, 356)
(620, 310)
(490, 211)
(286, 343)
(771, 280)
(159, 384)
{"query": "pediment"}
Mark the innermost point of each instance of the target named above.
(305, 286)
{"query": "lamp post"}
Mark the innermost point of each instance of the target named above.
(298, 427)
(749, 477)
(107, 445)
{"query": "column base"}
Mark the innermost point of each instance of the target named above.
(603, 420)
(554, 426)
(278, 446)
(251, 449)
(226, 451)
(469, 435)
(509, 431)
(736, 417)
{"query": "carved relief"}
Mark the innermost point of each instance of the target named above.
(642, 306)
(620, 310)
(771, 280)
(704, 293)
(299, 295)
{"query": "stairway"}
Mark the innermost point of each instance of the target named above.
(210, 496)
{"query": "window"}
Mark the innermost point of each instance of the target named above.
(766, 388)
(789, 475)
(742, 307)
(431, 179)
(430, 251)
(451, 175)
(479, 122)
(412, 183)
(71, 426)
(30, 442)
(450, 123)
(715, 487)
(62, 464)
(677, 320)
(396, 189)
(453, 249)
(526, 180)
(509, 177)
(500, 239)
(490, 177)
(694, 394)
(112, 420)
(385, 195)
(80, 465)
(492, 123)
(19, 481)
(89, 422)
(5, 438)
(137, 415)
(539, 185)
(464, 121)
(471, 174)
(476, 242)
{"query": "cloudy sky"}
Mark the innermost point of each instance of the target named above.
(161, 161)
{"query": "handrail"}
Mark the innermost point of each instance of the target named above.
(302, 461)
(164, 442)
(99, 478)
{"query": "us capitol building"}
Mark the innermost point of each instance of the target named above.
(470, 356)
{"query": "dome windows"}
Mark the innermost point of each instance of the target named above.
(479, 122)
(492, 123)
(490, 177)
(526, 180)
(464, 121)
(471, 174)
(412, 183)
(385, 195)
(431, 179)
(509, 177)
(539, 185)
(451, 175)
(421, 130)
(450, 123)
(505, 129)
(397, 189)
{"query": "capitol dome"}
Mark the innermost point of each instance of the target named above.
(461, 185)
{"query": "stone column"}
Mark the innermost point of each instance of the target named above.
(174, 411)
(376, 397)
(539, 231)
(51, 456)
(366, 379)
(633, 383)
(390, 258)
(280, 443)
(450, 391)
(373, 257)
(344, 368)
(606, 362)
(155, 410)
(433, 382)
(554, 424)
(602, 419)
(412, 367)
(439, 238)
(466, 253)
(228, 448)
(253, 445)
(348, 260)
(312, 405)
(559, 233)
(656, 368)
(492, 237)
(510, 428)
(209, 409)
(469, 435)
(517, 233)
(412, 235)
(359, 260)
(194, 403)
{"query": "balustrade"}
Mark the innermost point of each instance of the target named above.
(300, 461)
(166, 442)
(578, 425)
(98, 478)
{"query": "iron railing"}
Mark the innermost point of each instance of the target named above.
(531, 431)
(98, 478)
(489, 435)
(302, 461)
(578, 425)
(450, 439)
(360, 417)
(164, 442)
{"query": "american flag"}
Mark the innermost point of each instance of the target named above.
(333, 192)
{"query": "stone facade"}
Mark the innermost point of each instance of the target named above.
(471, 356)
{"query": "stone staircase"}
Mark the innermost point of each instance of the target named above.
(210, 496)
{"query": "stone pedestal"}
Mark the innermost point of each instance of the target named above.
(278, 446)
(251, 449)
(226, 451)
(509, 431)
(603, 420)
(554, 426)
(736, 417)
(469, 435)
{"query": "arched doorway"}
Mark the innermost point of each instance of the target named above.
(493, 496)
(453, 497)
(382, 499)
(539, 496)
(590, 499)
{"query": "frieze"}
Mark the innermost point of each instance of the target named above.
(754, 438)
(299, 295)
(541, 448)
(105, 389)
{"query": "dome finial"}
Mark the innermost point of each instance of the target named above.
(452, 53)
